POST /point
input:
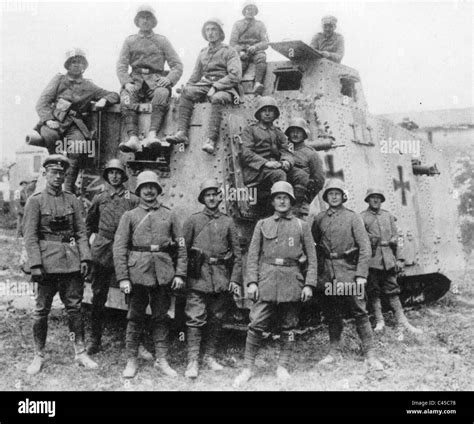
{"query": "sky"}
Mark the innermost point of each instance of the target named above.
(411, 56)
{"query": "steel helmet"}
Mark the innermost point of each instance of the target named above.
(335, 184)
(250, 3)
(205, 185)
(115, 164)
(372, 191)
(73, 53)
(145, 8)
(283, 187)
(266, 101)
(329, 20)
(298, 123)
(216, 21)
(147, 177)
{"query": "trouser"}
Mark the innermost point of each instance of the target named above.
(384, 282)
(54, 139)
(195, 93)
(333, 307)
(19, 225)
(159, 299)
(260, 60)
(201, 309)
(129, 101)
(71, 289)
(101, 277)
(266, 178)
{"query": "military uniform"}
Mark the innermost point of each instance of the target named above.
(102, 219)
(20, 210)
(55, 239)
(141, 255)
(334, 45)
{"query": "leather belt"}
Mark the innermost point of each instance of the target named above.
(151, 248)
(109, 235)
(145, 71)
(281, 261)
(57, 237)
(214, 261)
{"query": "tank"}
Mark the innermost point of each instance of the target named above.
(359, 148)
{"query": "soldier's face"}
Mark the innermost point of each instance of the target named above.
(149, 192)
(55, 178)
(296, 134)
(328, 29)
(212, 32)
(334, 198)
(211, 198)
(268, 114)
(375, 201)
(77, 66)
(250, 12)
(281, 203)
(115, 177)
(145, 22)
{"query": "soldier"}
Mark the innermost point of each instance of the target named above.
(249, 37)
(59, 256)
(386, 260)
(266, 157)
(343, 250)
(102, 220)
(280, 245)
(216, 77)
(213, 244)
(146, 53)
(61, 108)
(144, 268)
(307, 175)
(329, 43)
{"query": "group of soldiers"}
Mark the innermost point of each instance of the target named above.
(64, 104)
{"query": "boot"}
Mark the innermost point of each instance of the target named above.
(243, 377)
(71, 175)
(194, 345)
(162, 365)
(132, 145)
(192, 370)
(282, 373)
(158, 114)
(286, 348)
(213, 127)
(402, 321)
(211, 363)
(36, 364)
(152, 141)
(258, 89)
(83, 359)
(160, 338)
(178, 138)
(144, 353)
(333, 355)
(185, 114)
(94, 346)
(131, 369)
(372, 362)
(209, 146)
(380, 323)
(252, 345)
(132, 338)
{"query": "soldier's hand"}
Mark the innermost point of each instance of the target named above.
(252, 291)
(163, 82)
(54, 125)
(125, 286)
(131, 87)
(273, 164)
(92, 238)
(177, 283)
(84, 268)
(37, 274)
(101, 103)
(285, 165)
(251, 50)
(243, 55)
(324, 54)
(211, 92)
(234, 288)
(306, 293)
(399, 266)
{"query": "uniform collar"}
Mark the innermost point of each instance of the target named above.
(331, 212)
(212, 214)
(147, 34)
(263, 127)
(119, 191)
(329, 37)
(299, 146)
(216, 47)
(75, 80)
(277, 217)
(53, 192)
(374, 212)
(154, 206)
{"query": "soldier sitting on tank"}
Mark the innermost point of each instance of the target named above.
(266, 156)
(59, 257)
(329, 43)
(385, 262)
(249, 37)
(343, 250)
(307, 175)
(146, 54)
(280, 245)
(145, 270)
(214, 272)
(216, 76)
(62, 107)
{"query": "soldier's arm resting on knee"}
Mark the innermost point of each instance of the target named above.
(250, 159)
(286, 154)
(44, 105)
(234, 71)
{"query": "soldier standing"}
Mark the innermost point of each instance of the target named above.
(279, 246)
(329, 43)
(59, 256)
(307, 175)
(146, 53)
(343, 250)
(102, 221)
(213, 244)
(216, 76)
(386, 260)
(62, 107)
(145, 270)
(249, 37)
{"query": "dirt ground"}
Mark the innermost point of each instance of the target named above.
(441, 359)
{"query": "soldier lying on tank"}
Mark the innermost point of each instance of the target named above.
(266, 156)
(214, 272)
(146, 54)
(280, 245)
(144, 269)
(59, 256)
(307, 175)
(249, 37)
(62, 107)
(216, 76)
(329, 43)
(385, 262)
(343, 249)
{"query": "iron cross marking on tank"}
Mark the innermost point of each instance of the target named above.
(331, 172)
(400, 184)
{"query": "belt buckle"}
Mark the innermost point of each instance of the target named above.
(155, 248)
(333, 255)
(145, 71)
(279, 261)
(213, 261)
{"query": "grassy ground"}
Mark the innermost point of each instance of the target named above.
(441, 359)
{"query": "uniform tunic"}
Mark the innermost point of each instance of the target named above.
(333, 44)
(249, 32)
